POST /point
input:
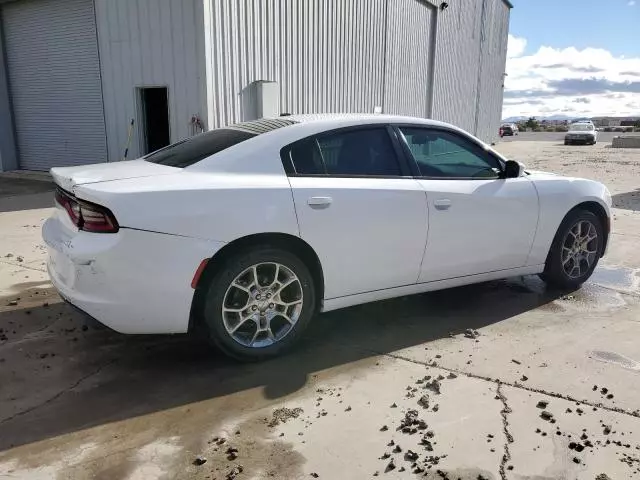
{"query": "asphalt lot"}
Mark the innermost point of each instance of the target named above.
(523, 383)
(603, 137)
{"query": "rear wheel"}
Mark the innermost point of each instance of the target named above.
(259, 304)
(575, 250)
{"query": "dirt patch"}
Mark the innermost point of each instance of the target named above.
(281, 415)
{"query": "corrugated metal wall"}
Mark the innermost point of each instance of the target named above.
(346, 56)
(457, 62)
(410, 25)
(326, 55)
(494, 56)
(150, 43)
(470, 63)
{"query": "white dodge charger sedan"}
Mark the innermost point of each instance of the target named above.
(244, 233)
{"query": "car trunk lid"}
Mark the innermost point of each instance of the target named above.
(69, 177)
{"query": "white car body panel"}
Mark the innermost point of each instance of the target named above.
(478, 226)
(131, 281)
(372, 225)
(213, 206)
(557, 195)
(69, 177)
(351, 300)
(376, 238)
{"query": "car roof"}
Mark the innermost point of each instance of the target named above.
(355, 118)
(286, 129)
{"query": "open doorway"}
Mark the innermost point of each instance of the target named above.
(154, 118)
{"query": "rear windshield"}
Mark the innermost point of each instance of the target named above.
(191, 150)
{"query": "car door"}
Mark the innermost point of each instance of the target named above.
(478, 221)
(359, 208)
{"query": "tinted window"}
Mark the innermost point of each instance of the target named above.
(443, 154)
(192, 150)
(305, 157)
(359, 152)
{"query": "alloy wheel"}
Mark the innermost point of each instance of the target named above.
(579, 249)
(262, 305)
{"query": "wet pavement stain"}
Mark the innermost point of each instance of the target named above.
(615, 359)
(618, 278)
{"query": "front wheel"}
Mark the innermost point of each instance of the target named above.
(259, 304)
(575, 250)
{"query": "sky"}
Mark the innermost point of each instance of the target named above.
(573, 57)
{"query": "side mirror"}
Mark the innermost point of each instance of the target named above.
(513, 169)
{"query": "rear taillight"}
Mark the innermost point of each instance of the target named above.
(87, 216)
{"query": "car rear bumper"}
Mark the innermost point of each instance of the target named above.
(131, 281)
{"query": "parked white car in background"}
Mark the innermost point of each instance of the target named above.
(582, 132)
(245, 232)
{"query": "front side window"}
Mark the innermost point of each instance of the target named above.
(443, 154)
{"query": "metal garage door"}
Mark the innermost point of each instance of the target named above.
(54, 80)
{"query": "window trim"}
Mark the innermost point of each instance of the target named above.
(478, 150)
(406, 172)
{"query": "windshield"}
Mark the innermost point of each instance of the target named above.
(581, 128)
(191, 150)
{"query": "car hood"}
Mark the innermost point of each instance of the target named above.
(69, 177)
(540, 174)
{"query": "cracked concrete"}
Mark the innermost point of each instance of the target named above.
(81, 403)
(508, 438)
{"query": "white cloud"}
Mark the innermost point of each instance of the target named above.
(631, 3)
(584, 82)
(516, 46)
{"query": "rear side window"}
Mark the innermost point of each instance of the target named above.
(361, 152)
(306, 157)
(192, 150)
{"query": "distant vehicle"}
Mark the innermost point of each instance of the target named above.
(509, 129)
(242, 234)
(583, 132)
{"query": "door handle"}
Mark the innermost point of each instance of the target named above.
(442, 203)
(319, 202)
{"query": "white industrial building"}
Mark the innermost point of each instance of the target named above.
(75, 73)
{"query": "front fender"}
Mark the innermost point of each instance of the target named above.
(557, 197)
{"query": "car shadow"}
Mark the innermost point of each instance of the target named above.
(59, 376)
(32, 201)
(627, 200)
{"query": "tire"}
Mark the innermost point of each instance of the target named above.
(555, 273)
(221, 284)
(566, 142)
